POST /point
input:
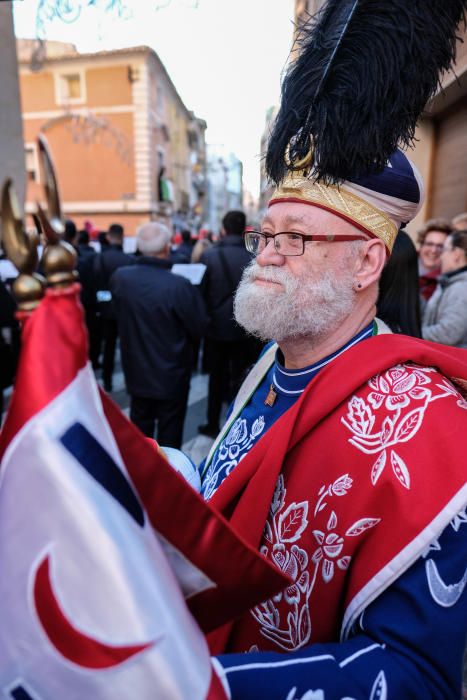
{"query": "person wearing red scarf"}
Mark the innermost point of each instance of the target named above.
(342, 461)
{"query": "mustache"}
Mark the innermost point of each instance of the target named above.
(268, 274)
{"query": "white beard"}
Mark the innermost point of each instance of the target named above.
(301, 307)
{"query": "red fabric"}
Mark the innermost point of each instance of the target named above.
(310, 446)
(195, 528)
(216, 689)
(54, 349)
(428, 283)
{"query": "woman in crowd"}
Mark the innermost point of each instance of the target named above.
(431, 239)
(399, 301)
(202, 244)
(445, 317)
(459, 222)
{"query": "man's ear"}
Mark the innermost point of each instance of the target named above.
(370, 263)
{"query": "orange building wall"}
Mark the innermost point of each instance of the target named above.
(37, 91)
(88, 171)
(89, 162)
(108, 86)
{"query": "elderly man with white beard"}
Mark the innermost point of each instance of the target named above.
(329, 461)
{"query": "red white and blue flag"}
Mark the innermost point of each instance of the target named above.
(112, 566)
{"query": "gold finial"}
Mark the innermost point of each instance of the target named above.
(59, 261)
(59, 258)
(54, 219)
(21, 248)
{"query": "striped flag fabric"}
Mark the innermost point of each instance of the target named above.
(113, 568)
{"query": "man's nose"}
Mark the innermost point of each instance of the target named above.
(269, 255)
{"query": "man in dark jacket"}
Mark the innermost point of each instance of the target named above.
(230, 351)
(104, 265)
(9, 350)
(85, 267)
(183, 253)
(159, 315)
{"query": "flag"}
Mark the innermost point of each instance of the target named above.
(112, 566)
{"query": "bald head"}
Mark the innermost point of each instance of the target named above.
(153, 239)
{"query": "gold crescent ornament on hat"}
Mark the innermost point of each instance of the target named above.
(303, 163)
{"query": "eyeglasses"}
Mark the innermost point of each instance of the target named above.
(435, 246)
(289, 243)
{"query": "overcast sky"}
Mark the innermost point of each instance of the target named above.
(225, 57)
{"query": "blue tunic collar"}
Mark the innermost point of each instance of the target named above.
(292, 382)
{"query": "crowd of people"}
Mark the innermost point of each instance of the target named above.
(320, 320)
(341, 459)
(422, 293)
(167, 326)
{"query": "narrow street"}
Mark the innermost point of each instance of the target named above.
(195, 445)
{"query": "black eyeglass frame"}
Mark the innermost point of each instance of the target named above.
(328, 238)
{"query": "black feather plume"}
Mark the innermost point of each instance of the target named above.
(364, 74)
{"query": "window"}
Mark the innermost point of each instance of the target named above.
(70, 88)
(32, 163)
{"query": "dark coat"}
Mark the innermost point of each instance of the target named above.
(218, 287)
(8, 351)
(86, 255)
(159, 315)
(104, 265)
(182, 254)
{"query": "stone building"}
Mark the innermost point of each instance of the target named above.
(125, 146)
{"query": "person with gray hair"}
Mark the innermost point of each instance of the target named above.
(160, 315)
(152, 238)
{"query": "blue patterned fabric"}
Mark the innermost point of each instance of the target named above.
(407, 645)
(256, 418)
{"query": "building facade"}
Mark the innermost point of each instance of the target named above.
(125, 147)
(225, 185)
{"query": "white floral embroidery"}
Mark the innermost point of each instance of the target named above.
(444, 594)
(456, 522)
(459, 519)
(379, 690)
(230, 452)
(461, 400)
(309, 695)
(283, 530)
(400, 388)
(432, 547)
